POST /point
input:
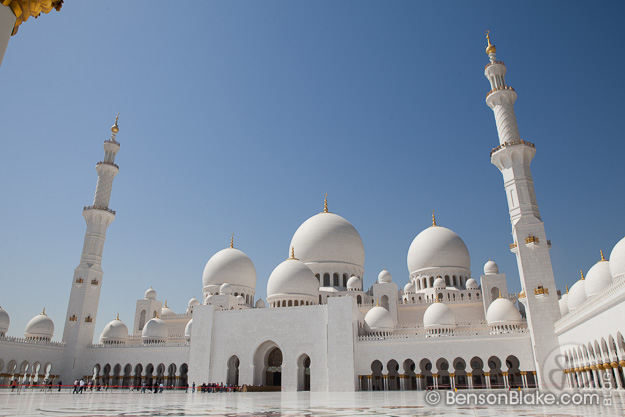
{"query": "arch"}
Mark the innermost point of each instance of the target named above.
(344, 280)
(384, 302)
(494, 293)
(393, 375)
(460, 369)
(148, 379)
(303, 373)
(232, 377)
(410, 378)
(431, 281)
(376, 376)
(514, 372)
(184, 375)
(326, 280)
(496, 377)
(335, 280)
(477, 373)
(142, 319)
(442, 369)
(117, 370)
(426, 371)
(453, 280)
(127, 378)
(171, 375)
(447, 281)
(359, 299)
(138, 376)
(267, 361)
(318, 279)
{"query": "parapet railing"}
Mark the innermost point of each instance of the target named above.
(30, 341)
(99, 208)
(107, 163)
(500, 88)
(493, 63)
(513, 143)
(422, 334)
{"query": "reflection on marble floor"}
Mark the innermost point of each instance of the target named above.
(274, 405)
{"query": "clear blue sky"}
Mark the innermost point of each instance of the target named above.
(239, 116)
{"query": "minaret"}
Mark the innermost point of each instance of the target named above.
(87, 280)
(513, 157)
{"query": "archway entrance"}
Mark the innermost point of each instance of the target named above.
(233, 371)
(273, 372)
(303, 373)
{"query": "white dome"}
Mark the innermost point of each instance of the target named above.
(328, 237)
(232, 266)
(439, 284)
(439, 315)
(165, 310)
(471, 284)
(260, 303)
(208, 298)
(384, 277)
(491, 268)
(564, 308)
(240, 299)
(187, 330)
(4, 321)
(379, 319)
(354, 283)
(292, 277)
(39, 327)
(225, 289)
(617, 259)
(409, 288)
(577, 295)
(193, 302)
(150, 294)
(502, 311)
(155, 330)
(598, 278)
(437, 247)
(114, 332)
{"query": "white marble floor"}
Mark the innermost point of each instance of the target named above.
(275, 405)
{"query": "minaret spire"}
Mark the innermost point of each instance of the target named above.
(87, 280)
(513, 157)
(325, 203)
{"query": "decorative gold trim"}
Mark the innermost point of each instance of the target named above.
(490, 48)
(23, 9)
(325, 203)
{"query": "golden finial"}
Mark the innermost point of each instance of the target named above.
(43, 313)
(232, 241)
(325, 203)
(433, 219)
(117, 317)
(601, 251)
(500, 294)
(378, 303)
(115, 127)
(490, 48)
(166, 304)
(567, 288)
(293, 253)
(582, 272)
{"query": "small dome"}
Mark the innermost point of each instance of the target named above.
(354, 283)
(225, 289)
(439, 284)
(437, 247)
(379, 319)
(292, 277)
(471, 284)
(328, 237)
(617, 259)
(384, 277)
(598, 278)
(439, 315)
(260, 303)
(187, 330)
(155, 330)
(409, 288)
(490, 268)
(232, 266)
(166, 311)
(114, 332)
(577, 295)
(40, 327)
(564, 308)
(502, 311)
(4, 321)
(193, 302)
(150, 294)
(240, 299)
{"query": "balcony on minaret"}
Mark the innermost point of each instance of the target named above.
(509, 144)
(99, 208)
(79, 280)
(540, 291)
(88, 319)
(73, 318)
(108, 163)
(514, 247)
(500, 88)
(531, 241)
(94, 282)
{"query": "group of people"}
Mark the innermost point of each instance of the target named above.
(212, 387)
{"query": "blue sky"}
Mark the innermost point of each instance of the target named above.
(236, 117)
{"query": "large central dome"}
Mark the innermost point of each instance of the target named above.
(327, 237)
(437, 247)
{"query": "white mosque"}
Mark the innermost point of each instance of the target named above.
(320, 330)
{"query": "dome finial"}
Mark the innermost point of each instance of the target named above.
(166, 304)
(43, 313)
(325, 203)
(433, 218)
(378, 303)
(293, 252)
(115, 127)
(232, 241)
(490, 48)
(582, 273)
(601, 251)
(500, 294)
(567, 288)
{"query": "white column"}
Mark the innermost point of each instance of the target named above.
(452, 378)
(470, 380)
(487, 379)
(402, 382)
(385, 382)
(506, 383)
(435, 377)
(619, 384)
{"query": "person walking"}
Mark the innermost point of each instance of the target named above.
(193, 388)
(75, 387)
(60, 385)
(82, 385)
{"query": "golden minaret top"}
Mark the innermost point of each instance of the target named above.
(23, 9)
(490, 48)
